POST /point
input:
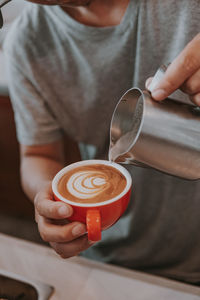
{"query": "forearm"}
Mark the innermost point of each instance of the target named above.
(36, 172)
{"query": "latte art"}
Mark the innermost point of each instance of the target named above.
(87, 184)
(92, 183)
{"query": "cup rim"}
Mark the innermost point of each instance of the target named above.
(86, 162)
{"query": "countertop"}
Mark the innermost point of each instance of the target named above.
(78, 278)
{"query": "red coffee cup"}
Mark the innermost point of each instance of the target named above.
(97, 216)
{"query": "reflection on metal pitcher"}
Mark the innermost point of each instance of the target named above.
(162, 135)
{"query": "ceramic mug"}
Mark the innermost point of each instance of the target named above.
(97, 216)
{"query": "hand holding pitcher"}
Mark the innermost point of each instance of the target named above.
(162, 135)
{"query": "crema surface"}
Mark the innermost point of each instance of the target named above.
(91, 184)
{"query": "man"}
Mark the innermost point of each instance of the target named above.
(68, 65)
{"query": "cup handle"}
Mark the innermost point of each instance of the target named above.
(93, 223)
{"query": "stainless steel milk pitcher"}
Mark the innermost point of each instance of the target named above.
(162, 135)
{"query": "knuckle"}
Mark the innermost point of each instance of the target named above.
(190, 87)
(37, 203)
(189, 62)
(170, 83)
(39, 208)
(63, 235)
(52, 210)
(44, 236)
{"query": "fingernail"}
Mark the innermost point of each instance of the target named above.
(63, 211)
(159, 94)
(147, 83)
(78, 230)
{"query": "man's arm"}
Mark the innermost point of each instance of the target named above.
(39, 164)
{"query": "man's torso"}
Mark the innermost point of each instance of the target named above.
(81, 72)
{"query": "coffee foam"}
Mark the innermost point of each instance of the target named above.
(87, 184)
(91, 183)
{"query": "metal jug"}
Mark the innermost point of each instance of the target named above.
(161, 135)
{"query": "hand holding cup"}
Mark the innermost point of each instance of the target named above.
(97, 190)
(66, 238)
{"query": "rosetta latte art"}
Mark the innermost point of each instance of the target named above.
(93, 183)
(87, 184)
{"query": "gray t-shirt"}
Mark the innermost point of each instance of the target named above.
(67, 77)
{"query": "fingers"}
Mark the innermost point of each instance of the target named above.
(180, 70)
(60, 233)
(66, 250)
(47, 207)
(68, 239)
(192, 87)
(195, 99)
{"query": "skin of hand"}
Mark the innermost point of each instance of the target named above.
(182, 73)
(39, 164)
(66, 238)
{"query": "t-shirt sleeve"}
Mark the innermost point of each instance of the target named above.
(35, 122)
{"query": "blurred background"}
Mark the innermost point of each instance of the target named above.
(16, 210)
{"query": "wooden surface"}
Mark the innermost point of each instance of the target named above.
(81, 279)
